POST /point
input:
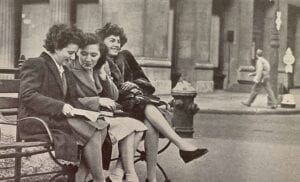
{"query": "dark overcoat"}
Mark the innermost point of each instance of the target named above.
(124, 67)
(41, 95)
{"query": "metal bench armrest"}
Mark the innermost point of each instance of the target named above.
(42, 122)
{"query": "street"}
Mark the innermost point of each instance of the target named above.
(242, 148)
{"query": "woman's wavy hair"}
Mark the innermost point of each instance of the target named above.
(92, 38)
(60, 36)
(112, 29)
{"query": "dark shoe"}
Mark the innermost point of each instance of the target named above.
(147, 180)
(108, 179)
(273, 107)
(245, 104)
(188, 156)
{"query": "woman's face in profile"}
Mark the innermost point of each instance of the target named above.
(113, 44)
(65, 54)
(89, 56)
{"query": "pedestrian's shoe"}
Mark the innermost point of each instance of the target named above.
(188, 156)
(146, 180)
(273, 107)
(108, 179)
(246, 104)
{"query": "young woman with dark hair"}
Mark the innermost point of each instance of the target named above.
(131, 80)
(98, 93)
(48, 91)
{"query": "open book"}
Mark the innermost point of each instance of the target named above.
(93, 115)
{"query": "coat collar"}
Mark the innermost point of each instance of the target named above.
(51, 64)
(84, 77)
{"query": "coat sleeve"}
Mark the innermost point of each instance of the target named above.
(31, 80)
(110, 90)
(139, 77)
(259, 71)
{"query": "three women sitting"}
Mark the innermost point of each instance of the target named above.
(103, 68)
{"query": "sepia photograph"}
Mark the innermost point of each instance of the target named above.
(149, 90)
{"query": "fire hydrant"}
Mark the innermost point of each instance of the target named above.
(184, 108)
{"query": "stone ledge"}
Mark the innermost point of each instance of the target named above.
(154, 62)
(204, 66)
(204, 86)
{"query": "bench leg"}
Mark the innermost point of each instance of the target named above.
(18, 168)
(163, 172)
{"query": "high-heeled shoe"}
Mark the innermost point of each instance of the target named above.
(188, 156)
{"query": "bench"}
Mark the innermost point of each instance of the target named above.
(15, 149)
(8, 107)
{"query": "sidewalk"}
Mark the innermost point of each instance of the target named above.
(222, 102)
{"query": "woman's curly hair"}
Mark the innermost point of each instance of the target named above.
(60, 36)
(112, 29)
(92, 38)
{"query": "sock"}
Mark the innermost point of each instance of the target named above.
(131, 177)
(116, 175)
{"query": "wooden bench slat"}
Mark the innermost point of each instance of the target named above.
(13, 145)
(9, 112)
(8, 102)
(9, 70)
(9, 86)
(23, 154)
(8, 123)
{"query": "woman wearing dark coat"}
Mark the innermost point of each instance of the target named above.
(132, 82)
(48, 91)
(98, 92)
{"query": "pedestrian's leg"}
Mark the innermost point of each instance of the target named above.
(270, 93)
(254, 92)
(158, 121)
(92, 154)
(151, 148)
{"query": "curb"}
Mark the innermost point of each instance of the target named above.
(250, 112)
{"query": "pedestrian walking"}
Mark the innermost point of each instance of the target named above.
(261, 80)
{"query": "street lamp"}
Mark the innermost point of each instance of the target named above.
(275, 44)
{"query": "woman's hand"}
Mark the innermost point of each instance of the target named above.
(128, 86)
(68, 110)
(104, 72)
(107, 103)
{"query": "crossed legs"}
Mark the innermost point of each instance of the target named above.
(156, 123)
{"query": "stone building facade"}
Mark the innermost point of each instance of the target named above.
(209, 42)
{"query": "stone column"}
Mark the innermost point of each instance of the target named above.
(60, 11)
(297, 54)
(100, 15)
(203, 26)
(184, 40)
(7, 33)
